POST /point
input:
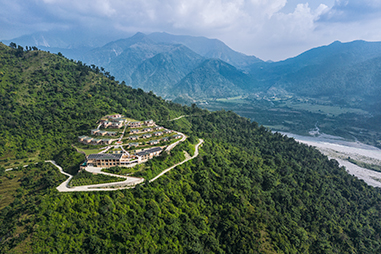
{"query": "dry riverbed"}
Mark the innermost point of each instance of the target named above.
(339, 149)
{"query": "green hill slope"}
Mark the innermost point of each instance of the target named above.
(249, 190)
(47, 101)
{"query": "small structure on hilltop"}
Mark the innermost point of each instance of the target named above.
(115, 116)
(149, 122)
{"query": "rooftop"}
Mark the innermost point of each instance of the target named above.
(148, 151)
(104, 156)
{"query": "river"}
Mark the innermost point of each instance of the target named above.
(340, 149)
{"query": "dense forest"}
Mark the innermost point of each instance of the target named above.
(248, 191)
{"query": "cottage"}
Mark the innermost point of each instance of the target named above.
(115, 116)
(177, 136)
(134, 137)
(147, 129)
(149, 122)
(101, 133)
(87, 140)
(135, 124)
(94, 131)
(119, 120)
(158, 128)
(147, 136)
(106, 124)
(111, 133)
(153, 142)
(158, 133)
(133, 144)
(107, 141)
(133, 131)
(149, 153)
(165, 139)
(81, 138)
(96, 141)
(166, 131)
(116, 125)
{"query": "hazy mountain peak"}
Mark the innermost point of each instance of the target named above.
(210, 48)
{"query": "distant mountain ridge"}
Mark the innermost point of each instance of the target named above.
(176, 65)
(347, 73)
(208, 48)
(160, 61)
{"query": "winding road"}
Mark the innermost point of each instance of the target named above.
(129, 183)
(186, 159)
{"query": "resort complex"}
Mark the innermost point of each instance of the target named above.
(125, 142)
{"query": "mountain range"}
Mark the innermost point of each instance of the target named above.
(173, 66)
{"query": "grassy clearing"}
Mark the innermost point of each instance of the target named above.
(87, 178)
(87, 151)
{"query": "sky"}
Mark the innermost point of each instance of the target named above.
(269, 29)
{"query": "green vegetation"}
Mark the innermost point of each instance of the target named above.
(122, 170)
(248, 191)
(48, 101)
(87, 151)
(21, 196)
(370, 166)
(300, 118)
(87, 178)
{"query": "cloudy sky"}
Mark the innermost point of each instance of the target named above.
(268, 29)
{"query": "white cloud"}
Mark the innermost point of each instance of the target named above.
(256, 27)
(353, 10)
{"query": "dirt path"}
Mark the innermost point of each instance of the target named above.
(177, 118)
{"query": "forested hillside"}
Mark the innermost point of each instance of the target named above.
(249, 190)
(47, 101)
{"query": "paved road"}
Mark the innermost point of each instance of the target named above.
(171, 146)
(187, 159)
(63, 186)
(130, 182)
